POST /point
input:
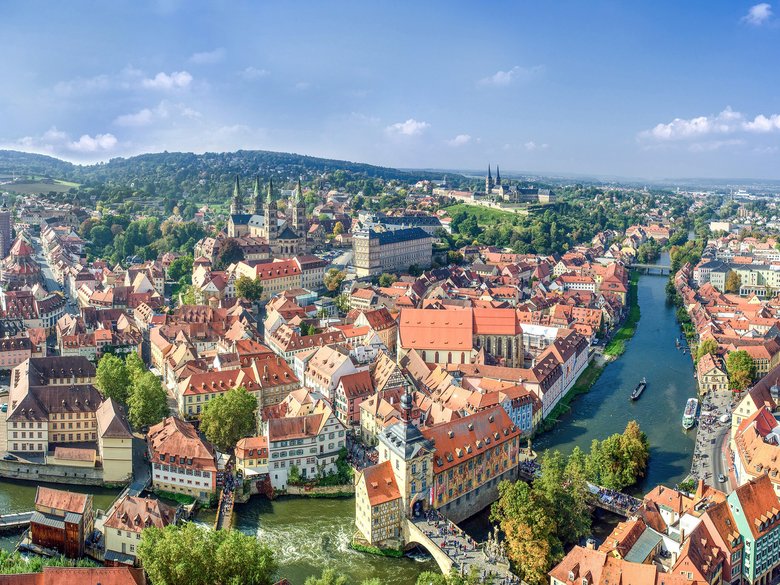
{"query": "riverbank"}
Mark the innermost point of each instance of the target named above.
(583, 384)
(617, 345)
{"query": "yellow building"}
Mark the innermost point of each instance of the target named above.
(123, 527)
(712, 376)
(115, 443)
(378, 511)
(252, 456)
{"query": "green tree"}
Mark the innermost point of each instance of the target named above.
(229, 417)
(733, 282)
(180, 269)
(386, 279)
(190, 554)
(333, 279)
(338, 228)
(187, 295)
(741, 369)
(431, 578)
(135, 367)
(329, 577)
(148, 402)
(619, 460)
(250, 289)
(229, 253)
(112, 378)
(708, 345)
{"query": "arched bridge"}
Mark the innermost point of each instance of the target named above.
(451, 548)
(651, 268)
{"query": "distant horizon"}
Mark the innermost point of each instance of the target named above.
(472, 173)
(601, 89)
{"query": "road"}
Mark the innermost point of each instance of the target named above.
(50, 282)
(708, 460)
(719, 463)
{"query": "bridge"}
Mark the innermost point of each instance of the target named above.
(651, 268)
(452, 549)
(606, 499)
(15, 521)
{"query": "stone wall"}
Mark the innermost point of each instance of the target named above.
(478, 499)
(51, 473)
(330, 490)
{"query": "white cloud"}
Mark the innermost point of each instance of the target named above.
(209, 57)
(726, 122)
(460, 140)
(251, 73)
(516, 73)
(55, 141)
(99, 142)
(710, 145)
(531, 145)
(411, 127)
(161, 111)
(758, 14)
(176, 80)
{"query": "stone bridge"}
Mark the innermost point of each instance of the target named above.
(651, 268)
(471, 556)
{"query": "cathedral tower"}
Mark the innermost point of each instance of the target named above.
(257, 199)
(236, 205)
(299, 211)
(271, 221)
(488, 182)
(498, 177)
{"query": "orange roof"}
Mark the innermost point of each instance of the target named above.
(380, 484)
(78, 576)
(435, 329)
(61, 500)
(134, 514)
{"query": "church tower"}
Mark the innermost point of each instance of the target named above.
(498, 177)
(257, 199)
(271, 221)
(236, 205)
(488, 182)
(299, 211)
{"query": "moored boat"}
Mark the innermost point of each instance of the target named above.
(639, 389)
(689, 415)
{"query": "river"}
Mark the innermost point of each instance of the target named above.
(606, 409)
(309, 535)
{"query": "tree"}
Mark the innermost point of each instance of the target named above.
(229, 253)
(148, 402)
(333, 279)
(741, 369)
(135, 367)
(229, 417)
(338, 228)
(112, 378)
(619, 460)
(733, 282)
(415, 270)
(386, 279)
(180, 270)
(250, 289)
(709, 345)
(187, 295)
(431, 578)
(564, 486)
(196, 556)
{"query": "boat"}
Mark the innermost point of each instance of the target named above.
(639, 389)
(689, 416)
(677, 342)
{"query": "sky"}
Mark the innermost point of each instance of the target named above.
(655, 89)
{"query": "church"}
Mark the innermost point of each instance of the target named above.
(504, 191)
(260, 219)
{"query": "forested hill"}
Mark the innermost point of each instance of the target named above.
(204, 175)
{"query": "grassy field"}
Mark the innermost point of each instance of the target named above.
(617, 344)
(37, 185)
(484, 215)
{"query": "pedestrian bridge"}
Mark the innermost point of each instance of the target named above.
(459, 553)
(651, 268)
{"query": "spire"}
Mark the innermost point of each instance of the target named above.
(270, 195)
(257, 187)
(236, 189)
(489, 175)
(298, 191)
(498, 176)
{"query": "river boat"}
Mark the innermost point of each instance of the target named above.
(677, 342)
(639, 389)
(689, 415)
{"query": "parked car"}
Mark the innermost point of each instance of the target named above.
(722, 478)
(4, 407)
(9, 457)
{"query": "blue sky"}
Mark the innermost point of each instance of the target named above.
(652, 89)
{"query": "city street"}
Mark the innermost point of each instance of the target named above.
(708, 459)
